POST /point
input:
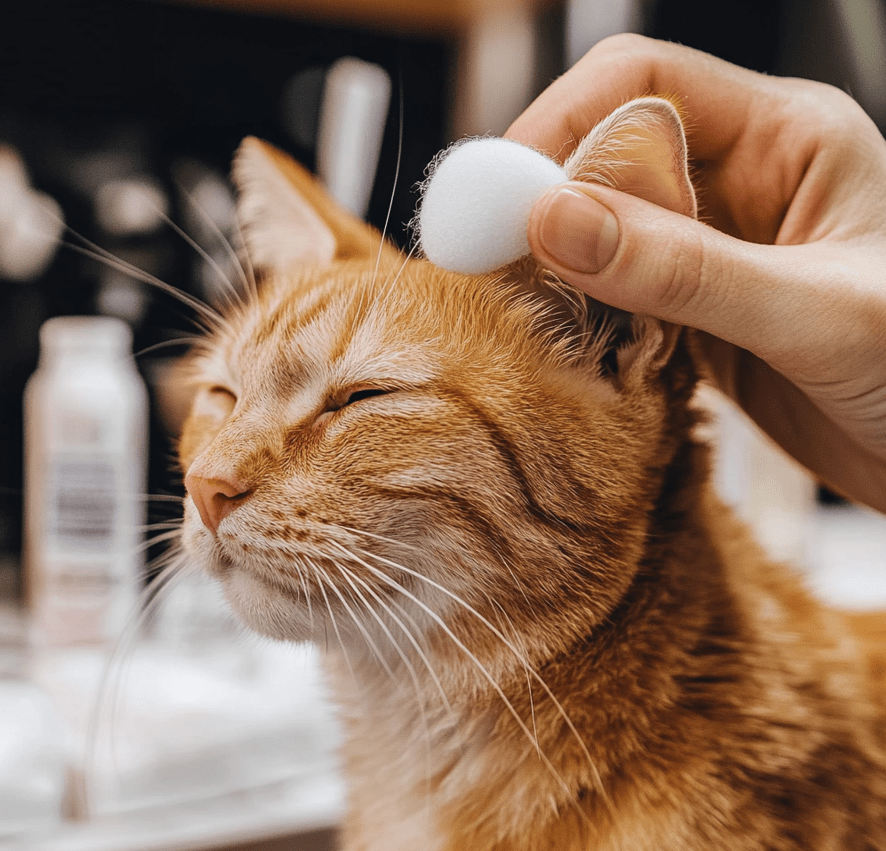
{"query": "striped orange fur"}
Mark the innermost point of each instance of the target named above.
(485, 499)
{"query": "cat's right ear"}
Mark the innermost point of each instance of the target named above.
(639, 149)
(287, 218)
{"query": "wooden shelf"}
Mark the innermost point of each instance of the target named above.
(434, 17)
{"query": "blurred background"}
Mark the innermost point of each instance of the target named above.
(121, 117)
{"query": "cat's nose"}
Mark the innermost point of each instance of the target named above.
(215, 498)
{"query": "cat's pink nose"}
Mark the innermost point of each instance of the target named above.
(215, 498)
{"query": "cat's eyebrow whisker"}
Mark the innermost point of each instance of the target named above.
(384, 231)
(207, 257)
(95, 252)
(484, 671)
(485, 621)
(165, 344)
(392, 282)
(248, 268)
(223, 240)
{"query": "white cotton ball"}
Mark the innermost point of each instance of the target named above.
(477, 202)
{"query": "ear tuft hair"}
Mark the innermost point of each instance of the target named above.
(639, 149)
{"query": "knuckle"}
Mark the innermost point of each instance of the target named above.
(678, 280)
(835, 111)
(622, 43)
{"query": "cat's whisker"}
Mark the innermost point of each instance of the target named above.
(111, 684)
(522, 659)
(349, 578)
(322, 581)
(161, 497)
(212, 317)
(485, 621)
(168, 344)
(483, 670)
(159, 525)
(352, 579)
(304, 584)
(384, 231)
(410, 636)
(517, 583)
(171, 535)
(358, 622)
(384, 539)
(223, 241)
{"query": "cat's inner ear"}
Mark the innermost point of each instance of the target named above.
(639, 149)
(287, 218)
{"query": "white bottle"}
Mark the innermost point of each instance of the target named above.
(85, 474)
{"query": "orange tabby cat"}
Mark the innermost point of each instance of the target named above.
(483, 498)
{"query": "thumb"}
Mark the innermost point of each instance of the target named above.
(634, 255)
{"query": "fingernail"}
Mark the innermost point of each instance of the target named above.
(577, 231)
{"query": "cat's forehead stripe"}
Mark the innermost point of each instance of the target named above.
(311, 337)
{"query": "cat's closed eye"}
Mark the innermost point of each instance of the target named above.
(347, 398)
(366, 393)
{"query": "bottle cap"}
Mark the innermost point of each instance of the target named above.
(86, 333)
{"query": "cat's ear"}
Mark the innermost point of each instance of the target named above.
(639, 149)
(288, 219)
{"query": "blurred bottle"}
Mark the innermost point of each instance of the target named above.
(85, 461)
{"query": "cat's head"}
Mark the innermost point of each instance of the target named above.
(379, 446)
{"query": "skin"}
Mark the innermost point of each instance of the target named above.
(784, 274)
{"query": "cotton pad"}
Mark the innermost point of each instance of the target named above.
(476, 203)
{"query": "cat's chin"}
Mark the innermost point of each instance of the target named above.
(264, 609)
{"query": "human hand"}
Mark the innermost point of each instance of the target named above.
(786, 277)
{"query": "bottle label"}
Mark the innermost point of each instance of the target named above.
(83, 506)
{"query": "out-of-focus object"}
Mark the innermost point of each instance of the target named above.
(590, 21)
(192, 710)
(130, 211)
(33, 761)
(31, 222)
(85, 461)
(33, 764)
(131, 206)
(768, 489)
(845, 557)
(496, 67)
(352, 123)
(841, 42)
